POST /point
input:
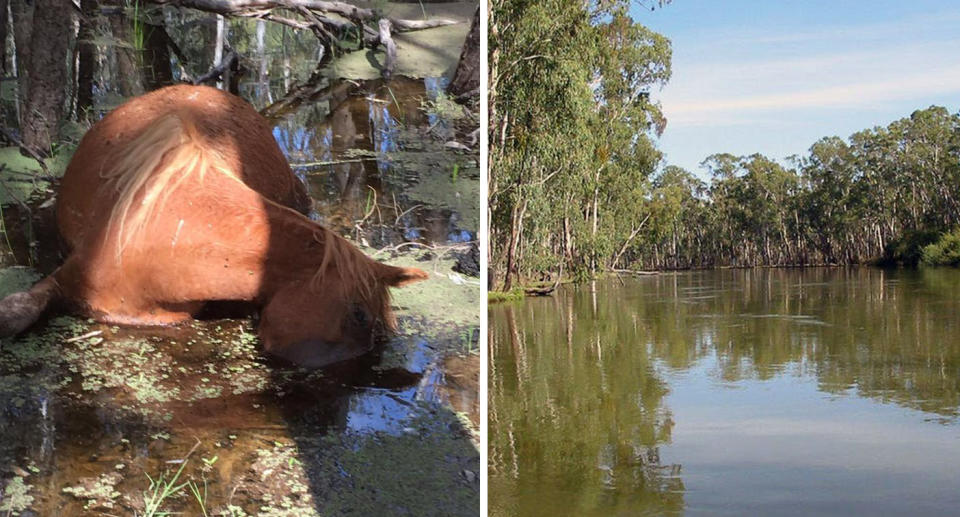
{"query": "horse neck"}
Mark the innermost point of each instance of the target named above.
(302, 250)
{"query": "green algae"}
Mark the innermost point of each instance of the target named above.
(98, 493)
(15, 497)
(19, 175)
(133, 366)
(446, 298)
(425, 53)
(152, 376)
(16, 279)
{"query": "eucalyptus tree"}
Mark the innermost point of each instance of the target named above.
(571, 124)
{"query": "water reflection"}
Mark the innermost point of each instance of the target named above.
(370, 152)
(765, 386)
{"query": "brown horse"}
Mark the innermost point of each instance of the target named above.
(181, 197)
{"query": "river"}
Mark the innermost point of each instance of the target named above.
(821, 391)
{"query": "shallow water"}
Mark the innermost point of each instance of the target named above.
(93, 418)
(785, 392)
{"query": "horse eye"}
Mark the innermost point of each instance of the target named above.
(359, 315)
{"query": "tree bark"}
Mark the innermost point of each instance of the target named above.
(157, 72)
(467, 77)
(128, 71)
(391, 47)
(48, 75)
(3, 36)
(88, 57)
(22, 14)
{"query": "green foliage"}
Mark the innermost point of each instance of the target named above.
(879, 197)
(505, 296)
(571, 127)
(944, 252)
(908, 249)
(162, 489)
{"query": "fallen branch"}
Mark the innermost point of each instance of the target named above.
(632, 272)
(85, 336)
(231, 62)
(398, 247)
(23, 147)
(387, 41)
(325, 28)
(256, 8)
(29, 176)
(333, 162)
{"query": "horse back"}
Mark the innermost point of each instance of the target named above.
(223, 124)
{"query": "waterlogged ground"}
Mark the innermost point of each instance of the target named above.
(91, 413)
(101, 420)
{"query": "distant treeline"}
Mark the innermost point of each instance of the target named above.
(577, 183)
(882, 196)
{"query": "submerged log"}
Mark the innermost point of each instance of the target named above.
(540, 291)
(632, 272)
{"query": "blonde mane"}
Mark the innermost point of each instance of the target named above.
(152, 167)
(353, 266)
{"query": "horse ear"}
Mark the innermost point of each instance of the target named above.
(401, 276)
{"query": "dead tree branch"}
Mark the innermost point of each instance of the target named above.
(230, 62)
(387, 41)
(24, 149)
(257, 8)
(328, 20)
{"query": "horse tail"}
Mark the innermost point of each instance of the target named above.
(20, 310)
(150, 167)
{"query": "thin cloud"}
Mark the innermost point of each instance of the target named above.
(884, 30)
(854, 95)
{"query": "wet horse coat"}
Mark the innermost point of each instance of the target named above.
(181, 197)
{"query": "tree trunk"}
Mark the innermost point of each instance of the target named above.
(467, 77)
(218, 48)
(22, 14)
(157, 72)
(516, 229)
(48, 75)
(128, 70)
(633, 235)
(512, 249)
(4, 21)
(88, 57)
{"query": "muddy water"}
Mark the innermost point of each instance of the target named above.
(100, 420)
(767, 392)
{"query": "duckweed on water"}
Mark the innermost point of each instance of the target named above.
(15, 279)
(151, 388)
(99, 492)
(15, 497)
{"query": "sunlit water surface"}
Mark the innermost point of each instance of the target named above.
(761, 392)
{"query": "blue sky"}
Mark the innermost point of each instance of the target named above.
(773, 76)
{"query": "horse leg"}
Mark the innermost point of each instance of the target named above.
(155, 316)
(110, 298)
(20, 310)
